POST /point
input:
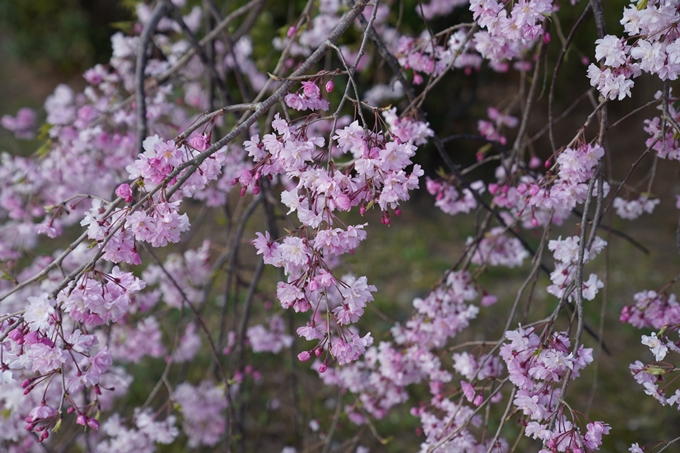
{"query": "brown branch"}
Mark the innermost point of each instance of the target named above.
(159, 11)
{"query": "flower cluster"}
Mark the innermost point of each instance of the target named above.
(450, 200)
(652, 310)
(491, 130)
(310, 98)
(566, 253)
(53, 338)
(374, 174)
(202, 409)
(536, 366)
(382, 377)
(652, 46)
(23, 125)
(632, 209)
(496, 248)
(662, 134)
(272, 340)
(575, 168)
(506, 35)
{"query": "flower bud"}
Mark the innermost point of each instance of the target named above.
(534, 162)
(124, 191)
(92, 423)
(200, 142)
(304, 356)
(329, 86)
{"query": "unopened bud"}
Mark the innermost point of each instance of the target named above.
(329, 86)
(92, 423)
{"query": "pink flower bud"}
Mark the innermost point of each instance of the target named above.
(546, 37)
(397, 212)
(16, 335)
(548, 163)
(124, 191)
(304, 356)
(200, 142)
(343, 202)
(329, 86)
(92, 423)
(417, 79)
(81, 419)
(317, 352)
(493, 188)
(478, 400)
(323, 367)
(291, 31)
(26, 383)
(534, 162)
(625, 314)
(488, 300)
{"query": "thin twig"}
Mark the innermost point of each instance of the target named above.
(159, 11)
